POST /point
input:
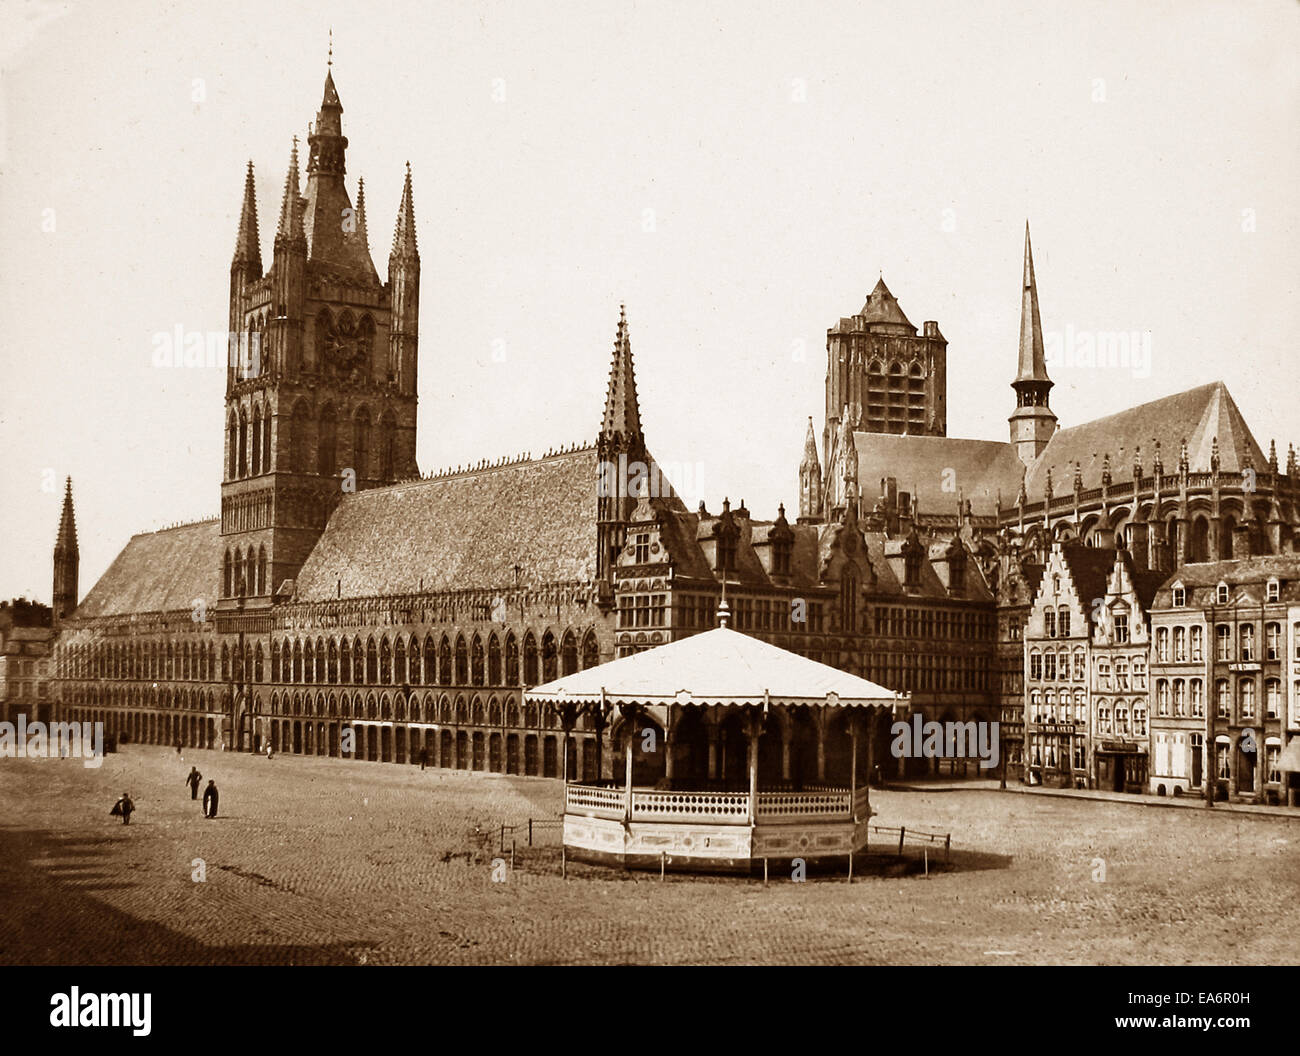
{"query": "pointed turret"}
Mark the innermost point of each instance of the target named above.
(810, 478)
(329, 220)
(1032, 423)
(622, 413)
(290, 228)
(404, 242)
(361, 234)
(404, 285)
(619, 446)
(248, 245)
(67, 559)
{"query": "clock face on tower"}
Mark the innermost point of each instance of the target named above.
(344, 347)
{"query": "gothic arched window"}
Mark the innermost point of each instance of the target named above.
(327, 442)
(300, 441)
(387, 439)
(570, 653)
(462, 661)
(262, 586)
(444, 662)
(512, 660)
(476, 660)
(530, 659)
(550, 657)
(242, 468)
(590, 651)
(361, 443)
(255, 448)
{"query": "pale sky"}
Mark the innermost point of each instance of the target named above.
(739, 174)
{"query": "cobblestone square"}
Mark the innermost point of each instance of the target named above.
(319, 861)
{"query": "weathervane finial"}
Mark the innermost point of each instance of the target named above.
(330, 60)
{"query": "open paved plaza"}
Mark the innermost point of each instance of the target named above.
(319, 861)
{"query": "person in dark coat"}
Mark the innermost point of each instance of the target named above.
(424, 757)
(210, 800)
(194, 780)
(123, 808)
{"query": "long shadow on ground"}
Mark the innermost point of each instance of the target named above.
(52, 917)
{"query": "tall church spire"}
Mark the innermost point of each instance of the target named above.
(622, 414)
(1033, 362)
(67, 559)
(248, 246)
(1032, 422)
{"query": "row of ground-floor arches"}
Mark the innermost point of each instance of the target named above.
(534, 754)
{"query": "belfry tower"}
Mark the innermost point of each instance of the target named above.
(1032, 422)
(321, 397)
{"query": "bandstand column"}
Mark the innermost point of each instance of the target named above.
(629, 724)
(754, 728)
(787, 738)
(821, 744)
(853, 763)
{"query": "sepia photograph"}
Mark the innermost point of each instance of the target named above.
(650, 484)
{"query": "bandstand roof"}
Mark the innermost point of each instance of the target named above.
(717, 667)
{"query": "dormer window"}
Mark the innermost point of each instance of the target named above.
(641, 548)
(1180, 597)
(1273, 590)
(911, 566)
(1221, 594)
(726, 551)
(781, 551)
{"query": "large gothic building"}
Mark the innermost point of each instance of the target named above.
(343, 604)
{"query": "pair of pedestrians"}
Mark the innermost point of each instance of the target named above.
(210, 794)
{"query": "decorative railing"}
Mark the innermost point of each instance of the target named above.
(712, 807)
(791, 806)
(597, 802)
(725, 808)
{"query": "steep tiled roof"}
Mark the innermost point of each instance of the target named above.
(159, 572)
(462, 531)
(1197, 415)
(921, 465)
(1240, 570)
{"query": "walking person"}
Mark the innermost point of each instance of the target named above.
(194, 780)
(424, 757)
(123, 808)
(210, 800)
